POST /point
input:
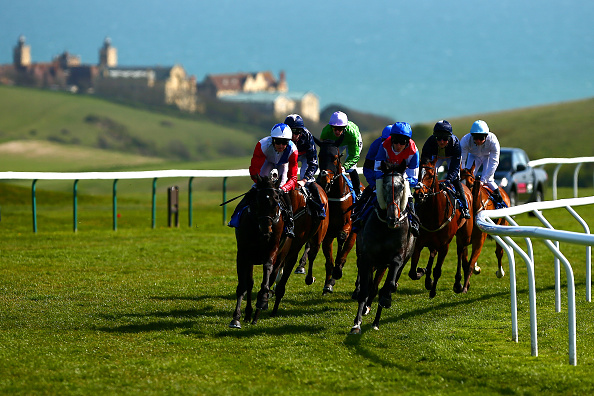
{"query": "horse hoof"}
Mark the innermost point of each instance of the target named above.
(262, 305)
(500, 273)
(457, 288)
(432, 294)
(336, 273)
(300, 271)
(476, 270)
(366, 310)
(309, 280)
(375, 327)
(355, 330)
(235, 324)
(328, 289)
(385, 302)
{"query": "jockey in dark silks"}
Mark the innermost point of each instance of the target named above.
(369, 173)
(445, 146)
(276, 151)
(307, 157)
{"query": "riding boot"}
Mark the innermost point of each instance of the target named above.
(317, 200)
(461, 198)
(413, 218)
(498, 199)
(360, 205)
(289, 224)
(355, 182)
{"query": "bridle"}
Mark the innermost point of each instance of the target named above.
(331, 177)
(269, 219)
(424, 192)
(393, 202)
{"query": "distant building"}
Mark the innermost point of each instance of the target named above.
(108, 55)
(21, 54)
(278, 105)
(146, 84)
(217, 85)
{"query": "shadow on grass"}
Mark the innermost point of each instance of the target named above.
(249, 330)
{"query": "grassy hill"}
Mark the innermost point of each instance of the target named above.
(55, 131)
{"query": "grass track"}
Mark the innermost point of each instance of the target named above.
(144, 310)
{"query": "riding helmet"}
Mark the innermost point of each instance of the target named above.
(442, 128)
(338, 118)
(479, 127)
(386, 132)
(401, 128)
(281, 131)
(294, 121)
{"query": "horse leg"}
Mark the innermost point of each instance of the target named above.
(364, 274)
(263, 294)
(477, 247)
(327, 250)
(282, 283)
(462, 250)
(499, 253)
(429, 270)
(344, 248)
(437, 270)
(303, 260)
(416, 273)
(244, 286)
(374, 288)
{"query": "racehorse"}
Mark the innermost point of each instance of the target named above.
(310, 229)
(440, 221)
(384, 243)
(481, 201)
(340, 198)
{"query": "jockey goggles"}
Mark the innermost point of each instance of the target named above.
(478, 136)
(280, 141)
(400, 139)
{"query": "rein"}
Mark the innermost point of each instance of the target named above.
(434, 194)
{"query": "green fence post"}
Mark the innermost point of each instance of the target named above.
(115, 205)
(75, 205)
(34, 203)
(190, 202)
(154, 216)
(224, 199)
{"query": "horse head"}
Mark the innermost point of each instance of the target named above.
(428, 184)
(266, 205)
(329, 162)
(393, 185)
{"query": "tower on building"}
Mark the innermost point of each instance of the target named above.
(22, 53)
(108, 55)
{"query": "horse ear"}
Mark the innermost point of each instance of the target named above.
(434, 161)
(472, 168)
(401, 167)
(258, 179)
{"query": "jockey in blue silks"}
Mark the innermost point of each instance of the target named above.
(398, 148)
(445, 146)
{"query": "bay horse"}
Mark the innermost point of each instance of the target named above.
(440, 222)
(384, 243)
(310, 229)
(340, 199)
(481, 201)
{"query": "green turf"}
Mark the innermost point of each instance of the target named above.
(143, 310)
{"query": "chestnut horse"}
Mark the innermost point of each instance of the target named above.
(440, 222)
(340, 199)
(310, 229)
(384, 243)
(481, 201)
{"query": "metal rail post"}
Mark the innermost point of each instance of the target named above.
(75, 206)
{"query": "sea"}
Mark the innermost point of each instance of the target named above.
(414, 61)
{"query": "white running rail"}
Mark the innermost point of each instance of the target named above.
(551, 238)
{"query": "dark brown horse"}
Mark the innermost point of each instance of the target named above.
(259, 241)
(481, 201)
(440, 222)
(384, 243)
(340, 200)
(310, 229)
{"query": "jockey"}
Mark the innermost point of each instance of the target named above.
(481, 147)
(308, 157)
(397, 148)
(369, 173)
(276, 151)
(338, 125)
(445, 146)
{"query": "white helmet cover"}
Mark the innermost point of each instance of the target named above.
(281, 131)
(338, 118)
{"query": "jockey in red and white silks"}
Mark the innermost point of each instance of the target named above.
(266, 157)
(481, 147)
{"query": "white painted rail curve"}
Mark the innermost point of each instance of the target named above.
(551, 237)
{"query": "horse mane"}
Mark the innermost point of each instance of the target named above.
(390, 167)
